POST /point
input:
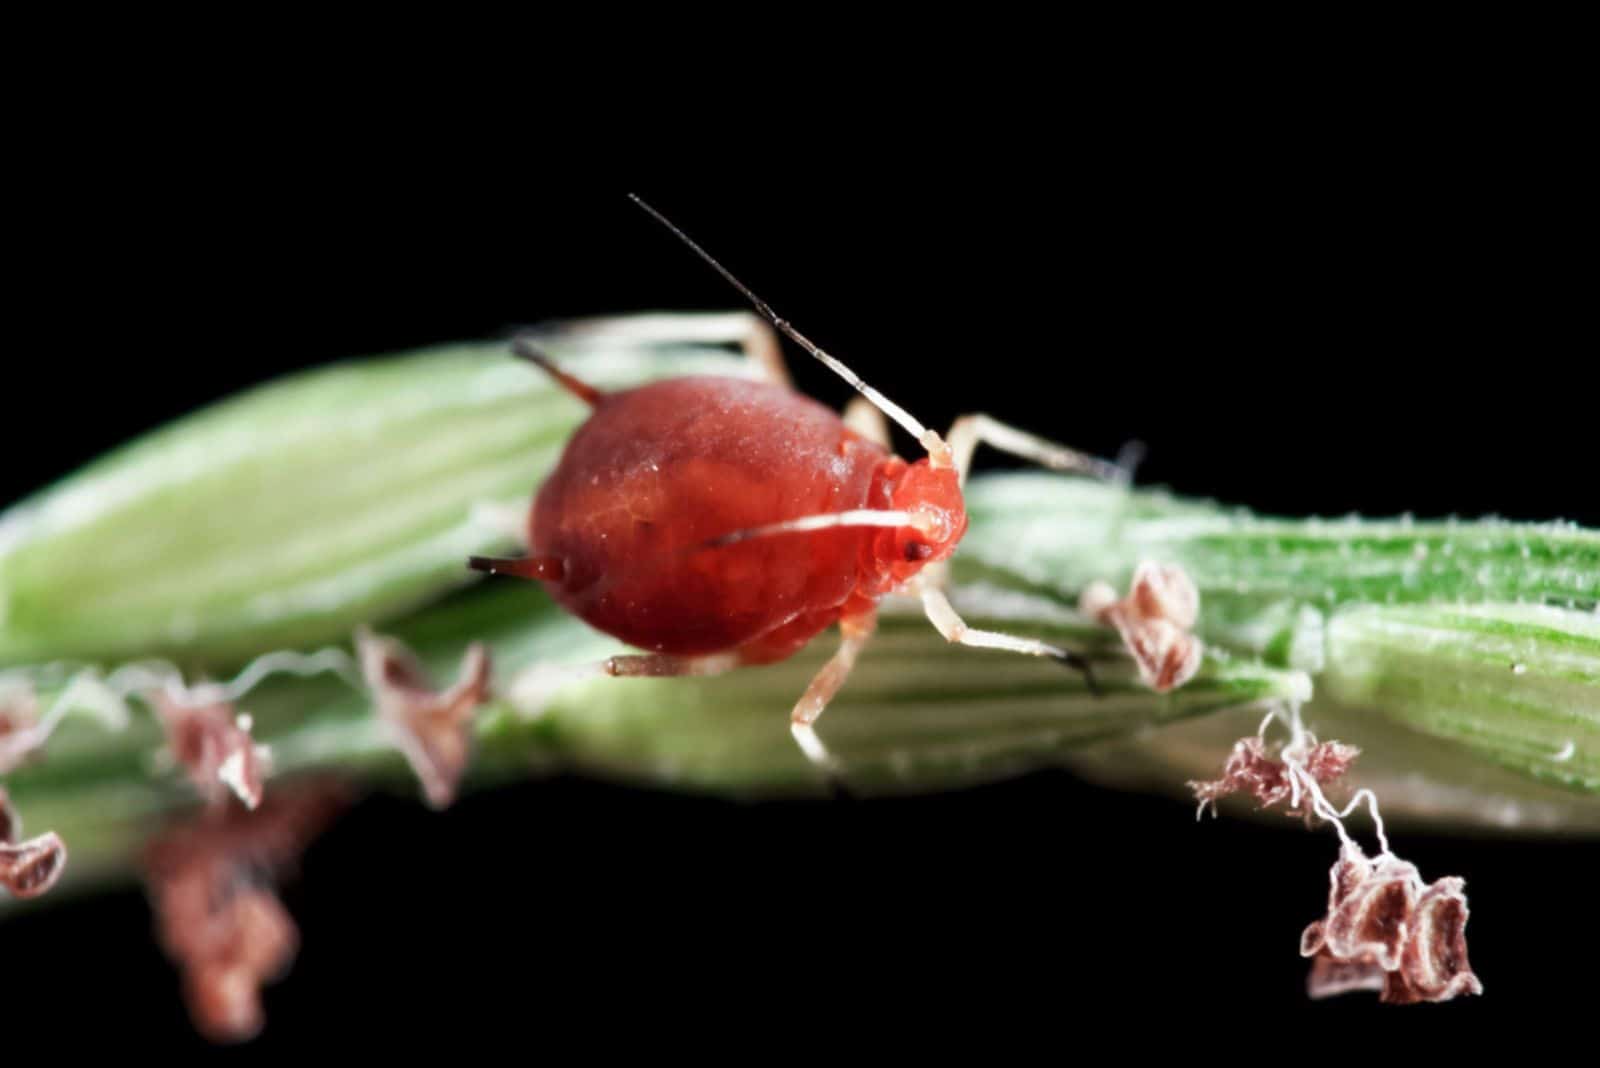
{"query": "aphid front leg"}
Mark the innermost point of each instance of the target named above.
(948, 623)
(855, 631)
(969, 430)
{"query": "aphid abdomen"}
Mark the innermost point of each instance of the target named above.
(659, 472)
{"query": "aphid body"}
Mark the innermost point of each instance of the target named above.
(720, 522)
(639, 512)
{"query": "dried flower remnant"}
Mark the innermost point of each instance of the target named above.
(1369, 903)
(432, 729)
(213, 744)
(24, 728)
(217, 915)
(1250, 770)
(27, 869)
(1435, 965)
(20, 736)
(1386, 930)
(1330, 977)
(1154, 620)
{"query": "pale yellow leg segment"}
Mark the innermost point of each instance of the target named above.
(968, 431)
(854, 635)
(955, 630)
(862, 416)
(749, 331)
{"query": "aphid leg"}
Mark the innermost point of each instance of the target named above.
(954, 628)
(659, 665)
(533, 689)
(969, 430)
(861, 416)
(748, 331)
(525, 347)
(854, 631)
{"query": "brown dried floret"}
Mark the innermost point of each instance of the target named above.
(214, 745)
(1434, 966)
(432, 729)
(1330, 977)
(1385, 930)
(1328, 761)
(217, 915)
(1154, 620)
(1369, 908)
(30, 868)
(1249, 770)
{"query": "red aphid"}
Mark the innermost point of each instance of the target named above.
(718, 522)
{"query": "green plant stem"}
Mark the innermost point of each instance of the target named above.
(1464, 657)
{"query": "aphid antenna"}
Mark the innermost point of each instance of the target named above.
(938, 451)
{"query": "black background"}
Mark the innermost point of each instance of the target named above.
(1375, 312)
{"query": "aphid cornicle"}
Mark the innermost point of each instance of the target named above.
(719, 522)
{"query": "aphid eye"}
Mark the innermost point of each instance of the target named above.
(918, 550)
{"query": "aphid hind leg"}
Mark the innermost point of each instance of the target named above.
(970, 430)
(660, 666)
(526, 347)
(748, 331)
(861, 416)
(955, 630)
(855, 632)
(532, 689)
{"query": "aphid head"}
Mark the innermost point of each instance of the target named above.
(932, 496)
